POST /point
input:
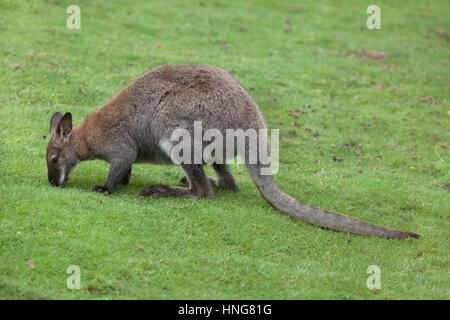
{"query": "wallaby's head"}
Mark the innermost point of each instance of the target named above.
(62, 156)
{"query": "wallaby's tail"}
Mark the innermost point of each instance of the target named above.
(288, 205)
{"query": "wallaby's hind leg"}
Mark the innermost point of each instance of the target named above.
(199, 186)
(224, 180)
(126, 178)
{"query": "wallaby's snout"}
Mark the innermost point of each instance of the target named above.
(53, 174)
(61, 153)
(57, 173)
(58, 179)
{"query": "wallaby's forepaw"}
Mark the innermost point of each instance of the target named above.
(101, 189)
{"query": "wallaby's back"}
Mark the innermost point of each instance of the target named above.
(173, 96)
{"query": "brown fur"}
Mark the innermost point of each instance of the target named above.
(135, 123)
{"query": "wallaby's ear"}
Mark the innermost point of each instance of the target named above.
(65, 126)
(55, 120)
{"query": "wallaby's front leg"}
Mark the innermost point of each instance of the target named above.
(119, 172)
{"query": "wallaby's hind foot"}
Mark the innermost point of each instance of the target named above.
(164, 191)
(224, 180)
(200, 187)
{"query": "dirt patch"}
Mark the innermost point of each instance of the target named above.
(292, 133)
(17, 66)
(295, 112)
(375, 55)
(443, 186)
(352, 144)
(222, 45)
(379, 85)
(439, 32)
(428, 99)
(298, 7)
(31, 263)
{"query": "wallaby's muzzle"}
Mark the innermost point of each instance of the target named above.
(57, 177)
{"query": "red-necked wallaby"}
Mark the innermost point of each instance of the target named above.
(136, 126)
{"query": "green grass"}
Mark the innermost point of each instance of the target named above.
(395, 150)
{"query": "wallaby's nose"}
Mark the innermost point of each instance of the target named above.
(53, 182)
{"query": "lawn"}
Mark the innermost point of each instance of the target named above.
(365, 137)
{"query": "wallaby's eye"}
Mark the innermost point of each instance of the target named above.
(54, 159)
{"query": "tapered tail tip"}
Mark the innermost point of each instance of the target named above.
(407, 234)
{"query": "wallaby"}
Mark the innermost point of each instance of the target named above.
(136, 126)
